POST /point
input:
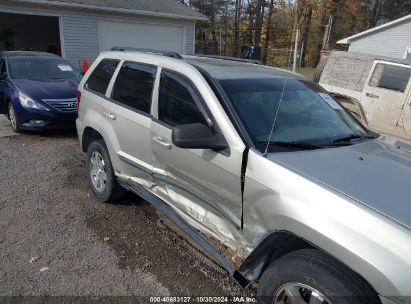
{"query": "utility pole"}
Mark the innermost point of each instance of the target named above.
(330, 26)
(297, 37)
(327, 34)
(221, 41)
(301, 55)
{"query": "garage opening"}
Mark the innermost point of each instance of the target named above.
(20, 32)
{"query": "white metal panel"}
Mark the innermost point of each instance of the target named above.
(390, 42)
(140, 35)
(407, 54)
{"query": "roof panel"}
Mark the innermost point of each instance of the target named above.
(228, 69)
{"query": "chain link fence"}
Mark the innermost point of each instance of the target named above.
(280, 57)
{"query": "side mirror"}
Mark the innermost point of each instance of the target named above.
(197, 136)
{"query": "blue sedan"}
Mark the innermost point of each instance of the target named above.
(37, 91)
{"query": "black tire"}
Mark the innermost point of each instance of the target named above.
(319, 69)
(112, 191)
(16, 122)
(321, 273)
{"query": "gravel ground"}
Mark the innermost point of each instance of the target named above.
(57, 240)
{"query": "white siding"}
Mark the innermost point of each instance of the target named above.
(80, 38)
(79, 28)
(140, 35)
(190, 38)
(391, 42)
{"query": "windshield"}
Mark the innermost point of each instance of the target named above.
(40, 68)
(306, 117)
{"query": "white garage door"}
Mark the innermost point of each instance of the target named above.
(140, 35)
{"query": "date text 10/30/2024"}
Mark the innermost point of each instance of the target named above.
(203, 299)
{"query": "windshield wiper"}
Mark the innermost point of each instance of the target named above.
(351, 137)
(292, 144)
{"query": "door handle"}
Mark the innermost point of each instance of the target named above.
(162, 142)
(109, 115)
(371, 95)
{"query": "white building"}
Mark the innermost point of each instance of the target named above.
(78, 29)
(392, 39)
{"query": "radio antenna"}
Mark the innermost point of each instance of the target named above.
(275, 117)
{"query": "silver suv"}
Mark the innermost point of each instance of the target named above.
(297, 195)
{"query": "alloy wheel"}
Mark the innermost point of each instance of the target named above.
(98, 171)
(298, 293)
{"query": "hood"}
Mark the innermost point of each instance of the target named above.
(55, 89)
(377, 173)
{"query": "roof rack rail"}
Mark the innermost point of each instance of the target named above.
(148, 51)
(230, 58)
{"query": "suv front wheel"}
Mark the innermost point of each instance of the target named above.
(309, 276)
(101, 174)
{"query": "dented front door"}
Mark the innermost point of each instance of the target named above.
(201, 183)
(384, 95)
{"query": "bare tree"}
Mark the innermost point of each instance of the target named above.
(237, 18)
(232, 23)
(213, 26)
(269, 29)
(251, 15)
(305, 25)
(259, 13)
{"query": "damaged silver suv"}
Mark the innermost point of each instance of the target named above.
(303, 200)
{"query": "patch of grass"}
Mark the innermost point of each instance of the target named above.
(306, 72)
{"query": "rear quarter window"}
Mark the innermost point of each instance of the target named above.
(101, 76)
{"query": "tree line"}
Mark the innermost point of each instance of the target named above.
(273, 24)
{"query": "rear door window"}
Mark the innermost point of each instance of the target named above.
(177, 101)
(391, 77)
(101, 76)
(133, 87)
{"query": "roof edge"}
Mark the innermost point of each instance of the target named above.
(113, 9)
(348, 40)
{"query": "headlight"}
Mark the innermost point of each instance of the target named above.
(29, 103)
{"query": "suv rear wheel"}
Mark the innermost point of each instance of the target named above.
(309, 276)
(101, 174)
